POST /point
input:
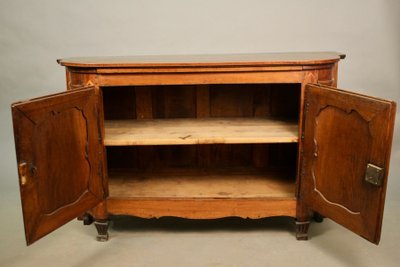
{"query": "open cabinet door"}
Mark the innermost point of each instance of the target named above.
(346, 151)
(59, 156)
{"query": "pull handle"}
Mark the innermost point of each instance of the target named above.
(23, 173)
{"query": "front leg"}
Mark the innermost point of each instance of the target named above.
(101, 215)
(102, 230)
(302, 230)
(303, 215)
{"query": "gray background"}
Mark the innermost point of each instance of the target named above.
(33, 34)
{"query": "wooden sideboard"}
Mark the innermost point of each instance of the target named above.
(202, 137)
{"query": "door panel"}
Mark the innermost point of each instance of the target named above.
(344, 133)
(59, 155)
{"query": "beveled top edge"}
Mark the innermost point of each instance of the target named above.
(256, 59)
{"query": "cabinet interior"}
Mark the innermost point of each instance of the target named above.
(202, 141)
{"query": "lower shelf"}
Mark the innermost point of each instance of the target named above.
(194, 183)
(197, 194)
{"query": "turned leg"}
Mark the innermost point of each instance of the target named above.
(303, 216)
(302, 222)
(302, 230)
(101, 215)
(102, 230)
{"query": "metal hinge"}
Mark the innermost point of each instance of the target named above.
(374, 174)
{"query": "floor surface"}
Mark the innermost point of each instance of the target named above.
(178, 242)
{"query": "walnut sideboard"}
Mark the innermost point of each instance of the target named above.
(203, 137)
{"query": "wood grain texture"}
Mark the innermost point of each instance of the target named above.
(127, 108)
(203, 208)
(277, 155)
(143, 100)
(174, 101)
(199, 131)
(57, 138)
(205, 78)
(344, 132)
(204, 60)
(201, 183)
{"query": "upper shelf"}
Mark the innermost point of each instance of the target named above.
(257, 59)
(199, 131)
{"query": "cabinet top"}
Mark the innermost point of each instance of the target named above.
(264, 59)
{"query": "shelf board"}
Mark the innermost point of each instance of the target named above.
(199, 131)
(195, 184)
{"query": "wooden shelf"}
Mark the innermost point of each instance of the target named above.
(194, 183)
(199, 131)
